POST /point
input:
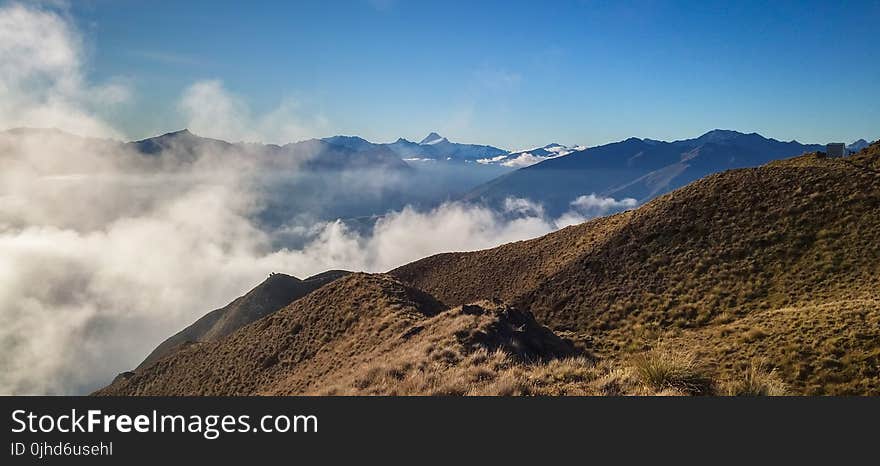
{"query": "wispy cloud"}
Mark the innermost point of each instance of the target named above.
(42, 82)
(590, 206)
(211, 110)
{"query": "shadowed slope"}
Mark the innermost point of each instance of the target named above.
(635, 168)
(274, 293)
(303, 341)
(371, 335)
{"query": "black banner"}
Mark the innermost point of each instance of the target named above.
(82, 430)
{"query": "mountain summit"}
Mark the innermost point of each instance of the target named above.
(433, 138)
(858, 145)
(437, 147)
(720, 135)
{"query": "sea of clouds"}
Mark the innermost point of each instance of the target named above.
(103, 253)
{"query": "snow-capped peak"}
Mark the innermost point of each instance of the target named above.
(524, 158)
(433, 138)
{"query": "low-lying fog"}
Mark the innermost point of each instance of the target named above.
(103, 254)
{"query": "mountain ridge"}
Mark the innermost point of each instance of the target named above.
(730, 246)
(272, 294)
(634, 168)
(736, 273)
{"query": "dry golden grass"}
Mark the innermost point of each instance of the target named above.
(679, 371)
(824, 349)
(756, 381)
(757, 282)
(780, 262)
(387, 339)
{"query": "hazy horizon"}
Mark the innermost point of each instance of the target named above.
(416, 140)
(513, 75)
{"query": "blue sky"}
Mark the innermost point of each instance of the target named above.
(512, 74)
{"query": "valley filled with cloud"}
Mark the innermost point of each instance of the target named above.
(105, 251)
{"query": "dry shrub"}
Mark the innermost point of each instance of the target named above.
(617, 382)
(576, 369)
(675, 370)
(757, 381)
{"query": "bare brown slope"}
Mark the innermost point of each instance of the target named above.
(274, 293)
(327, 339)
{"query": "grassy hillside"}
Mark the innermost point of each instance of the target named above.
(736, 247)
(373, 335)
(753, 281)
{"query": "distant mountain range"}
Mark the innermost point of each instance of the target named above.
(432, 147)
(312, 180)
(635, 168)
(435, 169)
(314, 154)
(858, 145)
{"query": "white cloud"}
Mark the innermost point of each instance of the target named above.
(104, 253)
(523, 207)
(101, 263)
(41, 75)
(211, 110)
(524, 160)
(590, 206)
(491, 160)
(602, 204)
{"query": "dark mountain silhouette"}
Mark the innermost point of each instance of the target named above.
(352, 142)
(338, 153)
(858, 145)
(179, 140)
(635, 168)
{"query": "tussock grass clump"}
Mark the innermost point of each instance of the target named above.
(757, 381)
(667, 370)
